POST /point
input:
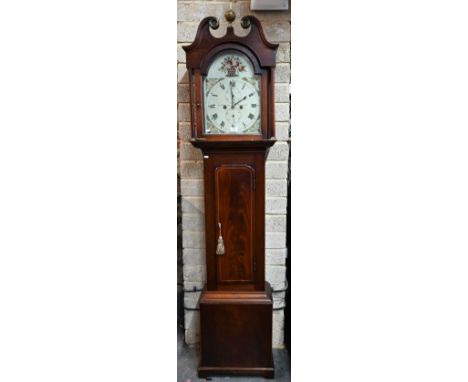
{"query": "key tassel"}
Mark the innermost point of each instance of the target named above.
(220, 246)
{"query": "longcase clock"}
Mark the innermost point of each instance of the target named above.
(231, 89)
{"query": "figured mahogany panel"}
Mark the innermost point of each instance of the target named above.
(234, 201)
(235, 197)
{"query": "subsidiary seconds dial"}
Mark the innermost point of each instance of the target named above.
(232, 105)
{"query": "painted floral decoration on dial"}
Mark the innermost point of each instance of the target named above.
(231, 65)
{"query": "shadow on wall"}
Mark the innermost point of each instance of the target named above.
(180, 281)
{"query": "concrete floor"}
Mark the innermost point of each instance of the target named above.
(187, 363)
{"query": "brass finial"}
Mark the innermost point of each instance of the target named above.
(230, 15)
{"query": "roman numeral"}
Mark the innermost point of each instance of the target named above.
(214, 95)
(254, 105)
(251, 116)
(222, 124)
(211, 106)
(251, 94)
(243, 87)
(222, 86)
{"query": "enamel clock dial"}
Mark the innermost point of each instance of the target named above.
(231, 92)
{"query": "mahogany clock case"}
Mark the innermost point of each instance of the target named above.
(236, 306)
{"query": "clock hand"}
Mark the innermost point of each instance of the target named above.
(242, 99)
(232, 96)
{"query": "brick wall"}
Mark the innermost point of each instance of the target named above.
(277, 29)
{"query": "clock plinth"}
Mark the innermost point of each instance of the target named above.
(232, 105)
(236, 330)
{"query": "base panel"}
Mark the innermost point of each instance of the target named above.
(236, 333)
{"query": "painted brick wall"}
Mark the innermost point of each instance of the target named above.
(277, 29)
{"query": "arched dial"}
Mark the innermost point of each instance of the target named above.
(232, 96)
(233, 105)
